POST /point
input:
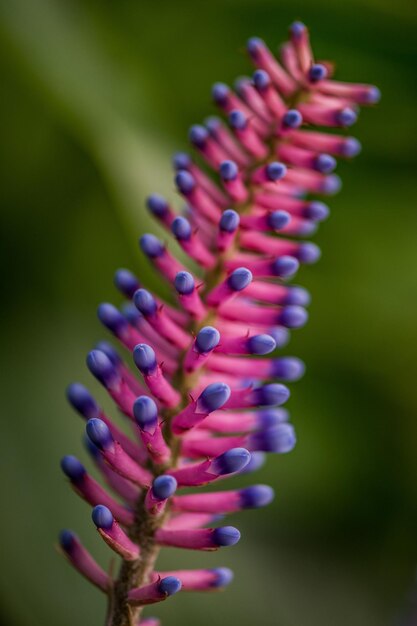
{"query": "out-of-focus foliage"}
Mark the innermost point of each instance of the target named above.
(95, 95)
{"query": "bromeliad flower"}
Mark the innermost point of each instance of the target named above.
(204, 401)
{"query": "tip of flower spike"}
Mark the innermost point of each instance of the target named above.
(275, 171)
(157, 205)
(297, 29)
(224, 577)
(261, 344)
(145, 412)
(309, 253)
(351, 147)
(288, 368)
(271, 417)
(145, 302)
(184, 283)
(293, 316)
(226, 536)
(230, 462)
(214, 396)
(111, 317)
(67, 539)
(169, 585)
(207, 339)
(212, 124)
(219, 93)
(164, 487)
(144, 358)
(229, 221)
(292, 118)
(373, 95)
(185, 182)
(102, 517)
(151, 246)
(254, 46)
(109, 351)
(331, 185)
(256, 496)
(131, 313)
(257, 460)
(126, 282)
(238, 119)
(325, 163)
(347, 117)
(317, 211)
(102, 368)
(272, 395)
(99, 433)
(181, 161)
(198, 135)
(228, 170)
(239, 279)
(261, 79)
(82, 400)
(279, 439)
(181, 228)
(317, 72)
(278, 219)
(280, 335)
(285, 266)
(72, 468)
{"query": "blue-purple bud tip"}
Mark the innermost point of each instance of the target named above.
(151, 246)
(224, 577)
(346, 117)
(181, 161)
(239, 279)
(308, 253)
(145, 302)
(229, 221)
(261, 79)
(111, 317)
(351, 147)
(198, 135)
(297, 29)
(109, 351)
(212, 124)
(271, 395)
(317, 72)
(144, 358)
(184, 283)
(228, 170)
(126, 282)
(157, 205)
(238, 120)
(254, 45)
(207, 339)
(145, 412)
(220, 93)
(271, 417)
(226, 536)
(102, 368)
(285, 266)
(82, 400)
(164, 487)
(317, 211)
(331, 184)
(256, 496)
(257, 460)
(278, 219)
(181, 228)
(214, 396)
(280, 335)
(261, 344)
(230, 462)
(288, 368)
(102, 517)
(279, 439)
(293, 316)
(131, 313)
(169, 585)
(275, 171)
(67, 539)
(298, 295)
(292, 119)
(325, 163)
(373, 95)
(99, 433)
(185, 182)
(73, 468)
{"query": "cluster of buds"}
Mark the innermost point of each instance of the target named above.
(204, 398)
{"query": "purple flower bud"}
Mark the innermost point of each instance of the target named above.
(261, 344)
(157, 205)
(207, 339)
(230, 462)
(256, 496)
(292, 118)
(144, 358)
(198, 136)
(238, 119)
(184, 283)
(288, 368)
(102, 517)
(131, 313)
(67, 540)
(111, 317)
(214, 396)
(257, 460)
(164, 487)
(309, 253)
(275, 171)
(212, 124)
(102, 368)
(285, 266)
(271, 417)
(278, 219)
(261, 79)
(254, 45)
(332, 184)
(126, 282)
(317, 211)
(82, 400)
(151, 246)
(226, 536)
(185, 182)
(145, 302)
(219, 93)
(279, 439)
(325, 163)
(239, 279)
(170, 585)
(347, 117)
(181, 228)
(297, 29)
(224, 577)
(99, 433)
(271, 395)
(351, 147)
(317, 72)
(73, 468)
(293, 316)
(145, 412)
(228, 170)
(181, 161)
(109, 351)
(280, 335)
(298, 295)
(373, 95)
(229, 221)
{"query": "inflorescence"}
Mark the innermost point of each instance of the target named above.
(207, 403)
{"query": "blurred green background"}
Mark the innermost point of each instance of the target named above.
(95, 97)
